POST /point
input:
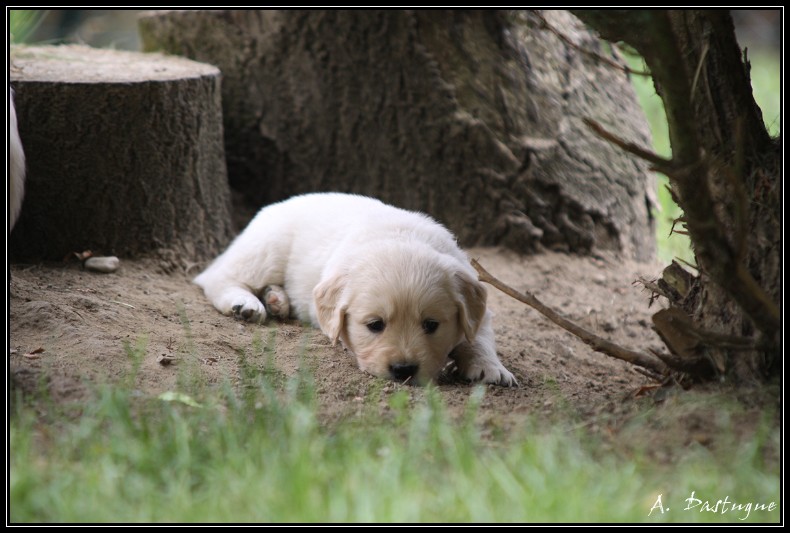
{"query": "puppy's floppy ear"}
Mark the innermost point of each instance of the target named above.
(330, 305)
(471, 302)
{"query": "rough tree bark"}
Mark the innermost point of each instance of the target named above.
(474, 117)
(124, 151)
(725, 172)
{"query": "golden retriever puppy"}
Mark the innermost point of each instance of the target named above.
(391, 285)
(16, 166)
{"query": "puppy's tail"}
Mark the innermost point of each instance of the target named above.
(16, 156)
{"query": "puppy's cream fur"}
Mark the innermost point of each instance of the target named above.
(16, 163)
(392, 285)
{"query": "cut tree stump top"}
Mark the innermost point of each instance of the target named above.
(124, 152)
(83, 64)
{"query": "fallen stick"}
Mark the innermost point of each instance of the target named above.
(594, 341)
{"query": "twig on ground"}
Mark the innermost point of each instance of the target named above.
(123, 304)
(595, 342)
(651, 375)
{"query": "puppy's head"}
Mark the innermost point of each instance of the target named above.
(401, 309)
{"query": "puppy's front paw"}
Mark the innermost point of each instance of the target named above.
(488, 371)
(276, 302)
(249, 308)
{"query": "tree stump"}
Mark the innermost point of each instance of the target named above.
(474, 117)
(124, 151)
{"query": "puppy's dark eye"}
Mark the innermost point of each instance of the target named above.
(375, 326)
(430, 326)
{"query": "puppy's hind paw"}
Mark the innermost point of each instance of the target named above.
(276, 302)
(250, 310)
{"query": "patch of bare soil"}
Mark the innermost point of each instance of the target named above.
(77, 323)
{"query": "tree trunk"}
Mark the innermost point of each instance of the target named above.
(124, 151)
(725, 172)
(473, 117)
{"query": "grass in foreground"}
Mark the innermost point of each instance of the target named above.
(256, 452)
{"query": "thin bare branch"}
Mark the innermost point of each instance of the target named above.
(701, 62)
(651, 375)
(695, 267)
(595, 342)
(663, 165)
(564, 38)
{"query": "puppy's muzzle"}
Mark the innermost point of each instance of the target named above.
(402, 372)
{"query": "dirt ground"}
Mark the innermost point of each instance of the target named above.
(68, 327)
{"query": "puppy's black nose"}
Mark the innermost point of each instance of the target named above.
(401, 372)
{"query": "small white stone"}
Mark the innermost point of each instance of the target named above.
(102, 264)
